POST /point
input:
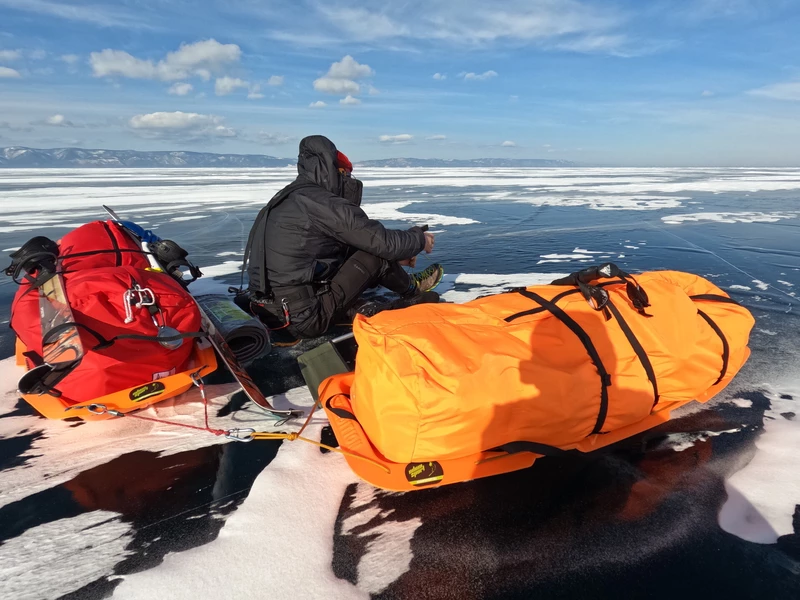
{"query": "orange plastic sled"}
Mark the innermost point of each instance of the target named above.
(444, 393)
(202, 362)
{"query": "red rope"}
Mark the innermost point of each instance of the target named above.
(205, 412)
(206, 428)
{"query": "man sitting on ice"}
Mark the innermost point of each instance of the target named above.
(313, 251)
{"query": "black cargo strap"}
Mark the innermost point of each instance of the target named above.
(533, 447)
(637, 348)
(557, 298)
(605, 378)
(106, 343)
(597, 298)
(715, 298)
(725, 347)
(508, 448)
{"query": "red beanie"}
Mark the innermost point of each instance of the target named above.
(343, 162)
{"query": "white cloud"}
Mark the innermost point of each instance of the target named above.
(513, 98)
(439, 76)
(396, 139)
(349, 68)
(8, 73)
(373, 91)
(227, 85)
(38, 54)
(180, 89)
(509, 144)
(467, 23)
(9, 55)
(789, 90)
(594, 43)
(273, 139)
(349, 100)
(336, 86)
(107, 16)
(707, 93)
(436, 137)
(180, 125)
(479, 76)
(70, 59)
(255, 93)
(363, 25)
(59, 121)
(200, 59)
(275, 80)
(340, 78)
(317, 104)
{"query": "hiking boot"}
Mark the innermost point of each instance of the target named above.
(428, 279)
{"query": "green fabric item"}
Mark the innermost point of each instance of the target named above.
(324, 361)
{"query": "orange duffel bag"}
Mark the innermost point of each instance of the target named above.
(443, 393)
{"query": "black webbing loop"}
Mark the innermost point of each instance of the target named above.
(725, 347)
(340, 412)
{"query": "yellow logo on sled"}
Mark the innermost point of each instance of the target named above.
(429, 473)
(149, 390)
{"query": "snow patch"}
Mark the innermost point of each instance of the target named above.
(761, 285)
(730, 217)
(189, 218)
(762, 496)
(390, 211)
(480, 284)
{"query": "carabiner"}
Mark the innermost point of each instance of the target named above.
(240, 435)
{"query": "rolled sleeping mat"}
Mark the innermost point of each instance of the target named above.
(246, 335)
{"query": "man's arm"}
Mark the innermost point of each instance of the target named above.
(350, 225)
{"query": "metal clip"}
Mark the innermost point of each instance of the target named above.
(97, 409)
(240, 435)
(198, 381)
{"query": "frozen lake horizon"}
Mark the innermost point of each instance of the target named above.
(719, 490)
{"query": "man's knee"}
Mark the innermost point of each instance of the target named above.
(368, 264)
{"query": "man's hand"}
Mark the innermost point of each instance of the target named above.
(429, 241)
(409, 262)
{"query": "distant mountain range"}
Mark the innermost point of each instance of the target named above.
(470, 162)
(20, 157)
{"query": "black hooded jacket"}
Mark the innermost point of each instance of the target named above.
(305, 232)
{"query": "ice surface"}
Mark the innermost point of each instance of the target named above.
(96, 541)
(279, 541)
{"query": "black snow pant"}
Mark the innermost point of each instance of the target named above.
(339, 298)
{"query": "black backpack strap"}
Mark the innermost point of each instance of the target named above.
(255, 250)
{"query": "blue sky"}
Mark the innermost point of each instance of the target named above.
(700, 82)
